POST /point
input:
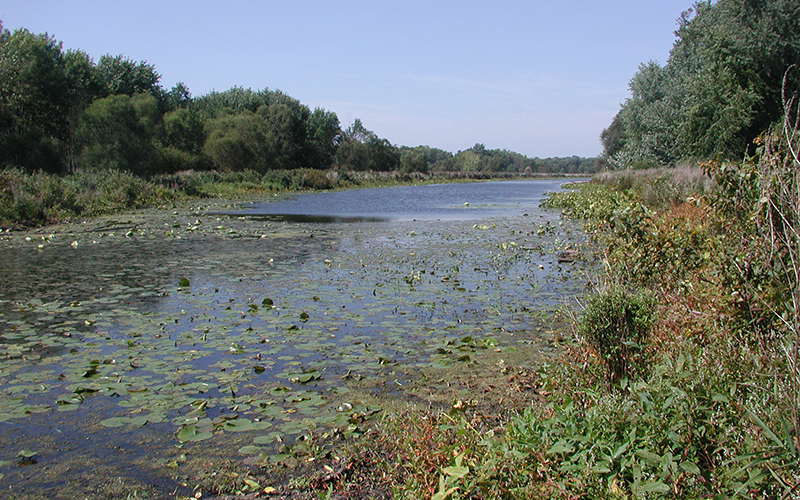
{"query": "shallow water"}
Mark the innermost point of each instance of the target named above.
(126, 346)
(465, 202)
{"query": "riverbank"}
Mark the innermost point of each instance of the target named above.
(678, 379)
(29, 201)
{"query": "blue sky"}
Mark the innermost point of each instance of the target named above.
(540, 78)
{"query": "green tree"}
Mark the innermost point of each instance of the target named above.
(285, 119)
(720, 88)
(178, 97)
(181, 144)
(362, 149)
(184, 130)
(34, 99)
(83, 87)
(118, 132)
(323, 136)
(121, 75)
(238, 141)
(235, 99)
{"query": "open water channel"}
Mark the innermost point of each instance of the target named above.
(135, 348)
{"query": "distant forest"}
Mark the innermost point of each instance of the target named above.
(61, 112)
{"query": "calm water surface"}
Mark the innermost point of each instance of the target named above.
(200, 335)
(470, 201)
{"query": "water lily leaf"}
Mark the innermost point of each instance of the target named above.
(183, 283)
(272, 437)
(238, 425)
(303, 378)
(115, 422)
(261, 459)
(191, 433)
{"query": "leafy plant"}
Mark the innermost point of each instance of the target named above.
(616, 323)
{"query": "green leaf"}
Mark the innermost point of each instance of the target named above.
(252, 484)
(456, 471)
(649, 457)
(691, 468)
(115, 422)
(655, 487)
(190, 433)
(560, 447)
(619, 451)
(766, 428)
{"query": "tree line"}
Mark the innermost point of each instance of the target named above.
(61, 112)
(720, 88)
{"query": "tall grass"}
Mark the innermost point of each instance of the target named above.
(41, 198)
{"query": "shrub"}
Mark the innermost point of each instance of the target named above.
(616, 323)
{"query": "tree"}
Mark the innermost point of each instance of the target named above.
(34, 99)
(285, 119)
(323, 136)
(184, 130)
(121, 75)
(362, 149)
(118, 132)
(234, 99)
(178, 97)
(238, 141)
(720, 88)
(83, 87)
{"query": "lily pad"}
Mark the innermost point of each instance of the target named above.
(191, 433)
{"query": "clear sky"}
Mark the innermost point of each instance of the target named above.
(542, 78)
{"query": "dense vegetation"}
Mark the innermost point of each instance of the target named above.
(62, 113)
(682, 377)
(720, 88)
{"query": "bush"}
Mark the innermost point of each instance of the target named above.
(616, 323)
(41, 198)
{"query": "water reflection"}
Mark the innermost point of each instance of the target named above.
(469, 201)
(318, 219)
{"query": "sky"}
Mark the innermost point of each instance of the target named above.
(542, 78)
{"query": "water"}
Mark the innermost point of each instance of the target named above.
(111, 365)
(451, 202)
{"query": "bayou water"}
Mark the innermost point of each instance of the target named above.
(136, 349)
